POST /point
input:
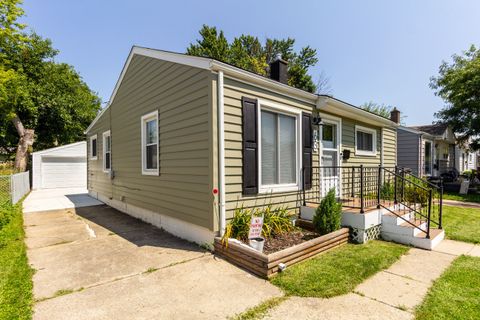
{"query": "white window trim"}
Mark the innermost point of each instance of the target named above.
(292, 112)
(374, 142)
(104, 136)
(94, 137)
(150, 116)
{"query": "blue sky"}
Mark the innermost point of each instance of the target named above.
(382, 51)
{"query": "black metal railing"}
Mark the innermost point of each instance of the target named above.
(368, 187)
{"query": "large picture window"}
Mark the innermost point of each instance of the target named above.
(107, 151)
(150, 144)
(365, 141)
(278, 148)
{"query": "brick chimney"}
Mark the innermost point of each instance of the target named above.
(279, 70)
(395, 115)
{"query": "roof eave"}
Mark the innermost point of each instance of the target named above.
(334, 105)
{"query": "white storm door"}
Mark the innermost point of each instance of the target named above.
(329, 158)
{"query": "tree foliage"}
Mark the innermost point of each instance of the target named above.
(248, 52)
(381, 109)
(44, 96)
(458, 84)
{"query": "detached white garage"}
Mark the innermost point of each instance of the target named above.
(60, 167)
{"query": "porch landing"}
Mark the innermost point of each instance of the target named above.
(392, 223)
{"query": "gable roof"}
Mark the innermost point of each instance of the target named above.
(232, 71)
(437, 129)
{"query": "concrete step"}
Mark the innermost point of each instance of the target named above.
(418, 241)
(396, 219)
(410, 228)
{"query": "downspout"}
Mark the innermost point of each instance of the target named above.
(221, 152)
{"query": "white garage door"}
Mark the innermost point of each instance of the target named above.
(64, 172)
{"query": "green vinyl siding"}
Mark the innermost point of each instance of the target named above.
(390, 147)
(233, 92)
(98, 180)
(182, 95)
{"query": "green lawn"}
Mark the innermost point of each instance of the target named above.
(461, 197)
(456, 294)
(338, 271)
(462, 224)
(15, 273)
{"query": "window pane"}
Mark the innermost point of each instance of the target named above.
(328, 136)
(107, 143)
(94, 147)
(151, 131)
(364, 141)
(287, 149)
(107, 160)
(269, 148)
(151, 156)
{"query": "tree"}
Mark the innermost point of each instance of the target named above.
(381, 109)
(247, 52)
(41, 101)
(458, 84)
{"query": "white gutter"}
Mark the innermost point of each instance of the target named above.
(221, 152)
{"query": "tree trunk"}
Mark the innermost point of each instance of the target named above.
(24, 143)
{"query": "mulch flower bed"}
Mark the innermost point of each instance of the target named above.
(287, 240)
(283, 250)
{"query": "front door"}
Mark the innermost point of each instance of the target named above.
(329, 158)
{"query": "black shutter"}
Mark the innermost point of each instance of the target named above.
(250, 146)
(307, 149)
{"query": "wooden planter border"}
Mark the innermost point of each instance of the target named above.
(266, 266)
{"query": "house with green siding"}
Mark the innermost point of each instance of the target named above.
(185, 140)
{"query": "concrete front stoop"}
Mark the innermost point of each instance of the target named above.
(399, 230)
(382, 223)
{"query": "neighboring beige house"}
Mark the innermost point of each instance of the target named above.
(185, 140)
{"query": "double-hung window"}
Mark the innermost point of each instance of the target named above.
(279, 150)
(150, 143)
(365, 141)
(107, 151)
(93, 147)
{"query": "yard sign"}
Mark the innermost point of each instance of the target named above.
(464, 187)
(255, 227)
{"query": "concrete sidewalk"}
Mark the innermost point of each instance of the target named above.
(463, 204)
(58, 199)
(390, 294)
(98, 263)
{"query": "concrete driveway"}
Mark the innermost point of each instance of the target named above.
(98, 263)
(58, 199)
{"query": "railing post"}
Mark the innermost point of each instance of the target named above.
(353, 183)
(379, 187)
(362, 204)
(429, 213)
(303, 186)
(395, 185)
(440, 210)
(403, 186)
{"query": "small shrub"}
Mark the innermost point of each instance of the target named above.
(387, 191)
(238, 227)
(328, 214)
(275, 221)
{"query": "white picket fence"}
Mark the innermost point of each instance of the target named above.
(15, 186)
